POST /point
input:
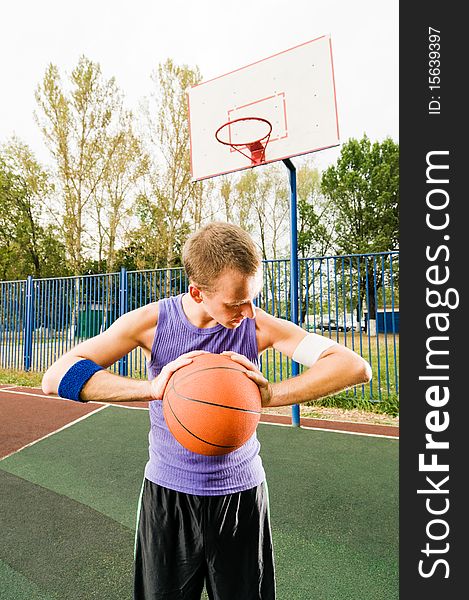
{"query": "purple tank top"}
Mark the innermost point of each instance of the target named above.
(170, 464)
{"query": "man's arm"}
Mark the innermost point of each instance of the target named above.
(132, 330)
(336, 369)
(105, 349)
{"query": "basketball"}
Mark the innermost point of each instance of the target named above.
(210, 406)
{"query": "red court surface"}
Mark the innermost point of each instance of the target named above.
(25, 418)
(27, 415)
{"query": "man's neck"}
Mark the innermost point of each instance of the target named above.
(196, 314)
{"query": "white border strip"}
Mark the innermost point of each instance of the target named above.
(380, 435)
(119, 405)
(56, 430)
(53, 397)
(12, 391)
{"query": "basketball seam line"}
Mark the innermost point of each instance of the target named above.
(193, 434)
(254, 412)
(211, 369)
(246, 410)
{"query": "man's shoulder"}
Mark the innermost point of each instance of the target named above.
(262, 317)
(146, 310)
(275, 332)
(142, 318)
(146, 316)
(140, 324)
(267, 328)
(266, 320)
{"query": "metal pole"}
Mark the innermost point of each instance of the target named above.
(293, 272)
(123, 308)
(28, 324)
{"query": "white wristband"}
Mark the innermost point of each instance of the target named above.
(310, 349)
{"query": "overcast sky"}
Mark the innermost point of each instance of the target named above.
(130, 38)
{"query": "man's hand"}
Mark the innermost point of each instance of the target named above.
(158, 385)
(253, 373)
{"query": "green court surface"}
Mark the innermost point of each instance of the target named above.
(68, 511)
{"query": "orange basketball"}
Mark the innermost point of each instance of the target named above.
(210, 406)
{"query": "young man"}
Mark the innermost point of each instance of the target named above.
(205, 518)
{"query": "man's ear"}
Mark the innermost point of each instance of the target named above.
(195, 293)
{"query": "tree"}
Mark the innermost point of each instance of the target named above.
(315, 222)
(226, 193)
(125, 167)
(251, 192)
(364, 191)
(28, 245)
(171, 204)
(77, 128)
(154, 239)
(263, 208)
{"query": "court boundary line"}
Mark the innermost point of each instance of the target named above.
(51, 433)
(11, 390)
(118, 405)
(380, 435)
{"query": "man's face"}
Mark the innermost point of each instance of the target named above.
(231, 299)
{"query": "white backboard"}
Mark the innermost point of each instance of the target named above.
(294, 90)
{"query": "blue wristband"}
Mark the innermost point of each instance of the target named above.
(75, 378)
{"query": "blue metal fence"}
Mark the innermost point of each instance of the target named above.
(353, 299)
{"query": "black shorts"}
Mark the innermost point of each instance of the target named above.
(184, 541)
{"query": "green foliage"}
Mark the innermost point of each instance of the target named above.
(258, 201)
(171, 204)
(389, 405)
(20, 378)
(156, 238)
(27, 245)
(364, 191)
(315, 230)
(95, 157)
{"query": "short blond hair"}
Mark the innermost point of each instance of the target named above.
(216, 247)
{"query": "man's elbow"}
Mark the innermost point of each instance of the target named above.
(362, 370)
(52, 377)
(48, 383)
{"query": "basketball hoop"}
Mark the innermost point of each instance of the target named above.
(256, 147)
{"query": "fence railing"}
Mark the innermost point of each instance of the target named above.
(353, 299)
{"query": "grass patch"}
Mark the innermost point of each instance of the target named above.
(20, 378)
(347, 401)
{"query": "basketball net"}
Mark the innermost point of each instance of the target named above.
(256, 147)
